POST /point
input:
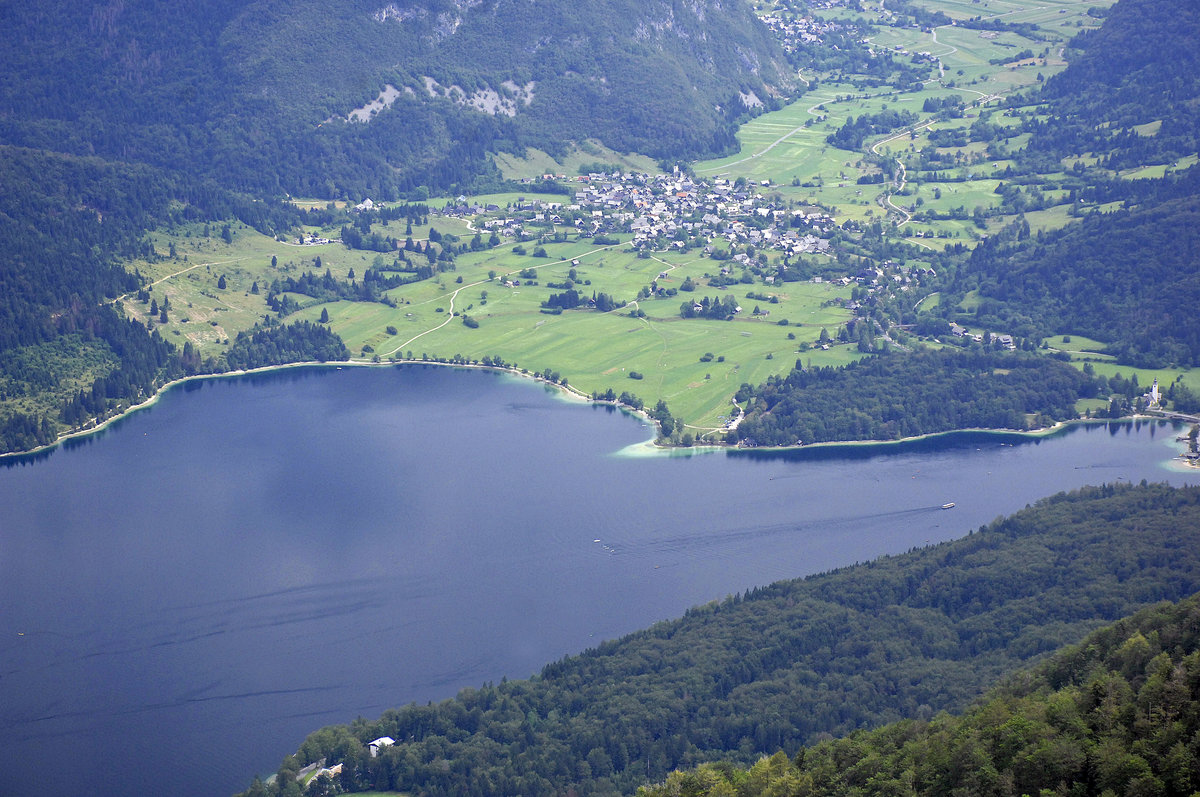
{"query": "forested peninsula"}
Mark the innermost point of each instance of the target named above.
(897, 396)
(785, 665)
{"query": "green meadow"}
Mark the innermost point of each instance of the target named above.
(787, 148)
(579, 157)
(202, 313)
(1145, 376)
(594, 351)
(1087, 351)
(1076, 345)
(1151, 172)
(502, 200)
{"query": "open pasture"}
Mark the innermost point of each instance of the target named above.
(1086, 351)
(969, 194)
(598, 351)
(788, 147)
(1153, 172)
(1076, 345)
(501, 199)
(1145, 376)
(420, 232)
(777, 146)
(1039, 220)
(594, 350)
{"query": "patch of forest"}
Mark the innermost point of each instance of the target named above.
(1123, 277)
(68, 223)
(65, 222)
(896, 395)
(300, 342)
(1118, 713)
(1142, 65)
(854, 132)
(781, 666)
(842, 53)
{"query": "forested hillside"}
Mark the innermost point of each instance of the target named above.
(1122, 277)
(257, 96)
(904, 636)
(1128, 98)
(68, 354)
(65, 221)
(1117, 714)
(1141, 67)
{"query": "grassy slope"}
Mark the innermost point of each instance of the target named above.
(535, 163)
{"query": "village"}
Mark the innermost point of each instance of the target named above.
(663, 212)
(740, 224)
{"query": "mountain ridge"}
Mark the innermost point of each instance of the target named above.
(254, 96)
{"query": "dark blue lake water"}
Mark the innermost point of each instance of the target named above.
(185, 596)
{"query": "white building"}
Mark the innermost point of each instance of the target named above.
(376, 745)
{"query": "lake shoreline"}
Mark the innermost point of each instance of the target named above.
(1045, 432)
(565, 392)
(649, 447)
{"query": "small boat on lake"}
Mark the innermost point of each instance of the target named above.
(948, 506)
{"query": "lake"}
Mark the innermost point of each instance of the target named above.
(187, 594)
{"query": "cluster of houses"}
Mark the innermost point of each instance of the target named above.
(309, 774)
(1003, 341)
(669, 211)
(888, 274)
(311, 240)
(662, 212)
(794, 31)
